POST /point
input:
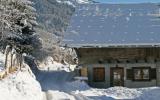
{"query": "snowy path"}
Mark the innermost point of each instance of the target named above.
(57, 86)
(53, 83)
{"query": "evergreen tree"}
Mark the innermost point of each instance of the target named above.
(17, 22)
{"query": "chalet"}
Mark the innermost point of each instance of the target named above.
(117, 44)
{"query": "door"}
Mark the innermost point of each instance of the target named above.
(117, 76)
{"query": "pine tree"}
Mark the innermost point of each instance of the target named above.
(17, 22)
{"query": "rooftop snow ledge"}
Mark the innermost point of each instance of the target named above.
(132, 45)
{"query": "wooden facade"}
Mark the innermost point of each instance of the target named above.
(130, 67)
(119, 55)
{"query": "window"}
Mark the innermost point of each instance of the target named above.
(99, 74)
(141, 73)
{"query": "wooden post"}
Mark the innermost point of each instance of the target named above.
(20, 61)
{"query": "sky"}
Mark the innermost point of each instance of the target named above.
(127, 1)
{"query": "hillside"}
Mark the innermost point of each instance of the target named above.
(53, 16)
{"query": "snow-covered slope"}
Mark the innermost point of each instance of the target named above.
(20, 86)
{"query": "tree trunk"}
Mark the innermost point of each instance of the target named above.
(11, 60)
(6, 58)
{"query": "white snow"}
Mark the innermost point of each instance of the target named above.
(20, 86)
(57, 95)
(82, 1)
(51, 65)
(69, 3)
(66, 2)
(81, 89)
(73, 2)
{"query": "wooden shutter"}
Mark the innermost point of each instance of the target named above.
(129, 74)
(99, 74)
(153, 73)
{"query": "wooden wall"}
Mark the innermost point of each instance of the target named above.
(101, 55)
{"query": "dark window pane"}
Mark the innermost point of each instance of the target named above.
(153, 74)
(130, 74)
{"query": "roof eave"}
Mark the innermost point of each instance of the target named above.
(140, 45)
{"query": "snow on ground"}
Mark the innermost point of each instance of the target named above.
(51, 65)
(55, 67)
(151, 93)
(84, 92)
(20, 86)
(57, 95)
(110, 93)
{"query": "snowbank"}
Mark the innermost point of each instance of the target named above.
(20, 86)
(150, 93)
(122, 93)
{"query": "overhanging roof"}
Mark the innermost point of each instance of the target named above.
(105, 25)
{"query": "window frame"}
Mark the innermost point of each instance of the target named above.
(94, 79)
(141, 68)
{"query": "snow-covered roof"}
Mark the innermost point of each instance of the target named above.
(106, 25)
